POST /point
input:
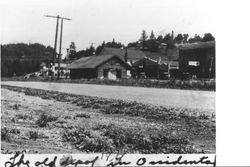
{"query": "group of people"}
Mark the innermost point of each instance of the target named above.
(48, 71)
(51, 71)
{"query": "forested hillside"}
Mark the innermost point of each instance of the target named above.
(18, 59)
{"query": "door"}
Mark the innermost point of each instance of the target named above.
(118, 73)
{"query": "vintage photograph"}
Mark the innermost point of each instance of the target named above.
(110, 76)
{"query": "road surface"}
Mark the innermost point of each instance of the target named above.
(204, 100)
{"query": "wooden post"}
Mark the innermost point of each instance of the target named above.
(60, 49)
(55, 44)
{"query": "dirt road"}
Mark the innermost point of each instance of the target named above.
(204, 100)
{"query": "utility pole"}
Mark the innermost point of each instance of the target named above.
(60, 48)
(55, 45)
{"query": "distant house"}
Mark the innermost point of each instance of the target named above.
(149, 68)
(107, 66)
(198, 59)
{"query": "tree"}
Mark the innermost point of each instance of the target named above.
(90, 51)
(196, 38)
(133, 44)
(185, 38)
(167, 38)
(160, 38)
(114, 44)
(80, 54)
(179, 38)
(99, 48)
(152, 35)
(72, 51)
(207, 37)
(169, 41)
(143, 39)
(24, 58)
(152, 43)
(113, 41)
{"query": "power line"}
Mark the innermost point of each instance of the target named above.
(58, 17)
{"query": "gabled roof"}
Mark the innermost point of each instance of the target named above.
(197, 45)
(132, 54)
(93, 62)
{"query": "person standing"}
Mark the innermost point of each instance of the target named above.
(51, 71)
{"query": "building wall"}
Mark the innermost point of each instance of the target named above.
(83, 73)
(112, 66)
(206, 58)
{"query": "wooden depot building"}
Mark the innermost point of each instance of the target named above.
(101, 67)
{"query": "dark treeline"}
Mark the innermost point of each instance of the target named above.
(146, 42)
(152, 43)
(18, 59)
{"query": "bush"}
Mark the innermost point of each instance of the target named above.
(89, 141)
(15, 131)
(204, 116)
(5, 134)
(16, 106)
(33, 135)
(23, 116)
(44, 119)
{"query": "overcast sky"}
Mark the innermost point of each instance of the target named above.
(102, 20)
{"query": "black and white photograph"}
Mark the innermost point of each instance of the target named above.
(122, 77)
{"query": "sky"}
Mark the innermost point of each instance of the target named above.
(95, 21)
